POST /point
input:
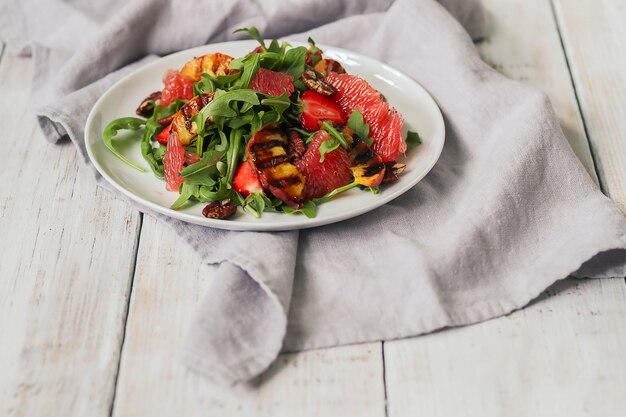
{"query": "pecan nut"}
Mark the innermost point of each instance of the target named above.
(315, 81)
(146, 107)
(329, 65)
(219, 210)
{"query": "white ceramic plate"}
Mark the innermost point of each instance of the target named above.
(418, 108)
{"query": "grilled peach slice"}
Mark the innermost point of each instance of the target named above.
(213, 64)
(267, 152)
(368, 168)
(181, 122)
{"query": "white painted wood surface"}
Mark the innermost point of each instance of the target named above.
(167, 286)
(562, 356)
(68, 254)
(555, 357)
(513, 49)
(594, 36)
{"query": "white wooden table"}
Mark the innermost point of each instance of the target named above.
(95, 297)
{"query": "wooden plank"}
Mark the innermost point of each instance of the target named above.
(67, 253)
(524, 45)
(593, 33)
(168, 284)
(563, 355)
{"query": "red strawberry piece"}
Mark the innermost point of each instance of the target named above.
(175, 86)
(246, 180)
(317, 108)
(323, 177)
(256, 50)
(354, 93)
(272, 83)
(173, 162)
(164, 135)
(308, 56)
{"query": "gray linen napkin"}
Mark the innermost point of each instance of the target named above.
(507, 210)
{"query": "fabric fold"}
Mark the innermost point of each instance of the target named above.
(239, 327)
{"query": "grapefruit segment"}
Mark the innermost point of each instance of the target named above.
(176, 86)
(354, 93)
(272, 83)
(173, 162)
(323, 177)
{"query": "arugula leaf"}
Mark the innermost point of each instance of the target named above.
(257, 203)
(335, 134)
(251, 65)
(159, 152)
(206, 85)
(333, 193)
(277, 103)
(362, 129)
(253, 32)
(223, 192)
(294, 62)
(204, 172)
(199, 144)
(271, 60)
(276, 48)
(186, 192)
(124, 123)
(412, 140)
(328, 146)
(223, 145)
(220, 105)
(232, 156)
(313, 57)
(309, 209)
(150, 154)
(337, 140)
(208, 162)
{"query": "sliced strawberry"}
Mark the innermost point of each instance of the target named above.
(317, 108)
(323, 177)
(259, 49)
(246, 180)
(308, 56)
(272, 83)
(173, 162)
(162, 137)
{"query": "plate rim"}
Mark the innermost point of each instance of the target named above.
(245, 225)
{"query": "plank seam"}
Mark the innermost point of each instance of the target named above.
(3, 47)
(580, 110)
(382, 348)
(125, 321)
(578, 105)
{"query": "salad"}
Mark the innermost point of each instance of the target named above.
(282, 129)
